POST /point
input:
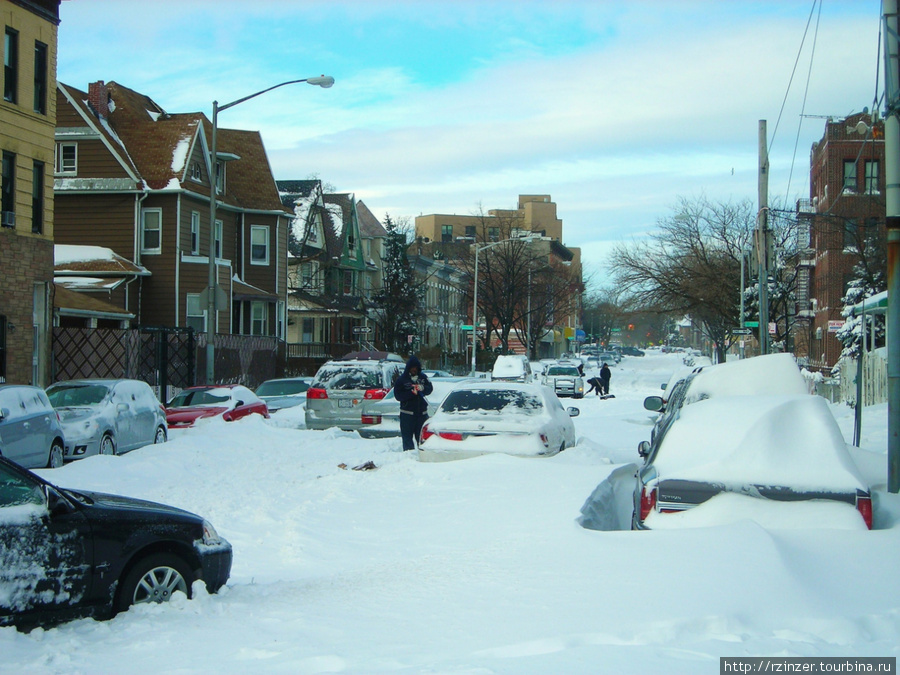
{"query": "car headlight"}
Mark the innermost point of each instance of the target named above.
(210, 536)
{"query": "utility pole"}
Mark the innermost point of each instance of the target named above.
(892, 213)
(762, 240)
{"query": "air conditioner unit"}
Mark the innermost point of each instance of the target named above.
(8, 218)
(814, 304)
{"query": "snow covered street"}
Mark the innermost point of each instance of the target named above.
(473, 566)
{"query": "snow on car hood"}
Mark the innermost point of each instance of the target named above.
(761, 440)
(769, 374)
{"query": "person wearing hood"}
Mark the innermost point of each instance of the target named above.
(410, 390)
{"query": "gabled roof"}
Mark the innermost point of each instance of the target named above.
(369, 225)
(296, 189)
(249, 180)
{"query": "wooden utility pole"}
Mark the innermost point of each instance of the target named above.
(762, 240)
(892, 213)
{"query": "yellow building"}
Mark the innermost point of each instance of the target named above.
(535, 213)
(27, 144)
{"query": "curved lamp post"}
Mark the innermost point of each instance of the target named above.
(478, 249)
(323, 81)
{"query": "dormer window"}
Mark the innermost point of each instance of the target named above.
(195, 173)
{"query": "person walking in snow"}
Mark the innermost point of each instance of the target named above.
(410, 390)
(604, 380)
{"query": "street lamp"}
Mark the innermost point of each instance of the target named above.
(524, 238)
(323, 81)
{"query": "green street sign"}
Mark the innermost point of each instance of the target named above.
(615, 330)
(751, 324)
(466, 327)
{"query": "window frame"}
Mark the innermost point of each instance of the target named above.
(41, 76)
(195, 233)
(11, 65)
(254, 258)
(8, 186)
(189, 315)
(62, 167)
(872, 175)
(446, 233)
(263, 322)
(851, 178)
(151, 250)
(38, 192)
(219, 235)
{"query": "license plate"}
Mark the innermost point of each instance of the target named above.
(345, 403)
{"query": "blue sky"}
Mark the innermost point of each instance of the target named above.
(616, 109)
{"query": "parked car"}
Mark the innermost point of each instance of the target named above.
(107, 417)
(287, 392)
(632, 351)
(30, 431)
(228, 401)
(717, 445)
(335, 396)
(512, 368)
(432, 374)
(381, 417)
(565, 381)
(478, 418)
(69, 553)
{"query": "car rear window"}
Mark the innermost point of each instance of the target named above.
(347, 377)
(284, 388)
(492, 400)
(572, 372)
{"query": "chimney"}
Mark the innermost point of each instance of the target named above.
(98, 98)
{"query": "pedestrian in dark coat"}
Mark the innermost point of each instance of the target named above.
(604, 379)
(596, 386)
(410, 390)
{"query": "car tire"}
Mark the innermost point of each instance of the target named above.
(161, 436)
(57, 453)
(107, 445)
(154, 579)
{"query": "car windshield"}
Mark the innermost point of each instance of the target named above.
(190, 397)
(492, 400)
(572, 372)
(74, 395)
(347, 377)
(282, 388)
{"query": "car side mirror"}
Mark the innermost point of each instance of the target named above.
(56, 503)
(238, 404)
(573, 411)
(644, 448)
(654, 403)
(4, 412)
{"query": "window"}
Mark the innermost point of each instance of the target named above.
(259, 245)
(308, 330)
(470, 231)
(11, 66)
(850, 175)
(219, 237)
(872, 178)
(851, 234)
(195, 314)
(66, 158)
(258, 318)
(7, 190)
(446, 233)
(348, 282)
(37, 198)
(195, 233)
(40, 78)
(151, 231)
(196, 173)
(494, 233)
(220, 177)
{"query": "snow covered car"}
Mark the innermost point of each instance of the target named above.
(67, 553)
(512, 368)
(286, 392)
(228, 401)
(564, 381)
(335, 397)
(719, 455)
(479, 418)
(30, 431)
(381, 417)
(107, 417)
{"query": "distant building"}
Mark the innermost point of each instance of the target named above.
(27, 121)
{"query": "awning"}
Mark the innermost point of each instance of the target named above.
(242, 291)
(72, 303)
(877, 304)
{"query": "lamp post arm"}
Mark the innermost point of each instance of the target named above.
(318, 81)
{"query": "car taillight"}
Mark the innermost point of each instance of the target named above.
(375, 394)
(864, 506)
(648, 501)
(545, 440)
(316, 393)
(426, 434)
(371, 419)
(451, 435)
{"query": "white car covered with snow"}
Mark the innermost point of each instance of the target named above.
(480, 418)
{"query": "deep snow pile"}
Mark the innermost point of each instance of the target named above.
(476, 566)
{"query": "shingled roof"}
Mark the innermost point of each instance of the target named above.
(369, 225)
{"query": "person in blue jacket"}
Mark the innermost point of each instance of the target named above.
(410, 390)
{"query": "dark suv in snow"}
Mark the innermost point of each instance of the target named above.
(68, 553)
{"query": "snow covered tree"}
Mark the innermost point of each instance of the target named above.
(869, 278)
(397, 304)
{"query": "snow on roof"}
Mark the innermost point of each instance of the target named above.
(336, 213)
(180, 155)
(70, 253)
(302, 207)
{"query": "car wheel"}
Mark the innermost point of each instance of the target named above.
(107, 445)
(55, 460)
(154, 579)
(160, 435)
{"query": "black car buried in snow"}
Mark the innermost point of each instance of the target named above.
(68, 553)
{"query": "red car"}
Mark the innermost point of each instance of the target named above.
(228, 401)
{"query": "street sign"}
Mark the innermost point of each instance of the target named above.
(835, 326)
(741, 331)
(466, 327)
(751, 324)
(361, 329)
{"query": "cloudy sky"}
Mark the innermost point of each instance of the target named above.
(616, 109)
